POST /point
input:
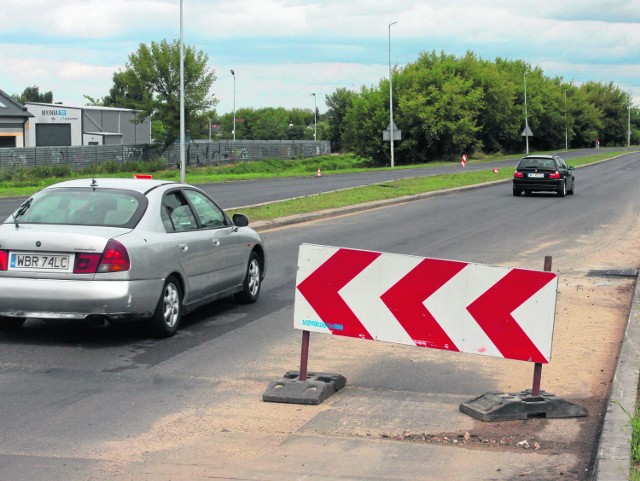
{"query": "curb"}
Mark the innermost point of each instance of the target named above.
(263, 225)
(613, 460)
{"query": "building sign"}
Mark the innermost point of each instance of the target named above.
(54, 112)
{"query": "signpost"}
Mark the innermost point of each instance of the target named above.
(442, 304)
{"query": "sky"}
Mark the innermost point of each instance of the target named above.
(284, 51)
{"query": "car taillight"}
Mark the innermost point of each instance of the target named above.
(555, 175)
(4, 260)
(518, 175)
(86, 263)
(114, 258)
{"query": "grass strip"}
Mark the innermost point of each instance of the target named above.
(388, 190)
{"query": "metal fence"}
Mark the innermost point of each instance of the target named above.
(198, 153)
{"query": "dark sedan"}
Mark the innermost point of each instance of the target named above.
(543, 173)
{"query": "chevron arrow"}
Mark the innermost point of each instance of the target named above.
(434, 303)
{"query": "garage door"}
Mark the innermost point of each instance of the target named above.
(53, 134)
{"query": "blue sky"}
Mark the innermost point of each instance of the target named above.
(284, 50)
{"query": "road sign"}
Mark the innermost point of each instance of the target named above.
(386, 134)
(526, 132)
(434, 303)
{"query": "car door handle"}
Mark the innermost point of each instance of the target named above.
(215, 242)
(183, 247)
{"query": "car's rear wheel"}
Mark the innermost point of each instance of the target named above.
(11, 323)
(562, 189)
(573, 188)
(166, 318)
(252, 281)
(516, 192)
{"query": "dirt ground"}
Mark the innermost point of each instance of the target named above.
(590, 321)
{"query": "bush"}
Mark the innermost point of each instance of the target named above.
(57, 171)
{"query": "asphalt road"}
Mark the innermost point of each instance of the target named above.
(67, 391)
(244, 193)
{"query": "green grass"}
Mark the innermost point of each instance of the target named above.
(25, 184)
(635, 445)
(23, 181)
(388, 190)
(360, 195)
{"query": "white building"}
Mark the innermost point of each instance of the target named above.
(65, 125)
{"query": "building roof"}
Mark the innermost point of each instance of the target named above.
(10, 108)
(83, 107)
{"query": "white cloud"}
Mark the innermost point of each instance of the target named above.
(284, 49)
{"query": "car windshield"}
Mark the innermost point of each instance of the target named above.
(84, 206)
(534, 163)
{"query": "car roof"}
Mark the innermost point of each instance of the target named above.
(138, 185)
(540, 156)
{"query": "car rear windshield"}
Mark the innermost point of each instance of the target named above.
(534, 163)
(83, 206)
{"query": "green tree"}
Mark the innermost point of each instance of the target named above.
(32, 94)
(364, 122)
(338, 102)
(150, 83)
(612, 104)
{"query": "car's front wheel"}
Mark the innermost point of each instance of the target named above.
(252, 281)
(11, 323)
(166, 318)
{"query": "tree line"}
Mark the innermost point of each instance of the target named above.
(444, 105)
(447, 105)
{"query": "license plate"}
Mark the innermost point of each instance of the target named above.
(537, 176)
(38, 261)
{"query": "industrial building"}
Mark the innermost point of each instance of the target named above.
(65, 125)
(37, 124)
(13, 121)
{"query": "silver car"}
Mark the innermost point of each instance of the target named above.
(114, 250)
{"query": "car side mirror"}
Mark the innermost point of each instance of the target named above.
(240, 220)
(571, 167)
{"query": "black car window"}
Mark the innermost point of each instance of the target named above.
(537, 163)
(176, 214)
(85, 206)
(210, 214)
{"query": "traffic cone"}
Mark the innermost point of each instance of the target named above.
(318, 174)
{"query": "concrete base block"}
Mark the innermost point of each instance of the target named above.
(314, 390)
(495, 406)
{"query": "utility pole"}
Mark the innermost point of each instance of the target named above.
(391, 99)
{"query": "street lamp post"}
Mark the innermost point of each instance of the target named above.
(566, 133)
(234, 104)
(182, 120)
(315, 117)
(391, 99)
(629, 125)
(526, 120)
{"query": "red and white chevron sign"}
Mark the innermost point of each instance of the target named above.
(441, 304)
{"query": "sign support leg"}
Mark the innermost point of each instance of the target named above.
(537, 375)
(537, 368)
(304, 355)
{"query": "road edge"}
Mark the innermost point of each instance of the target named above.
(613, 460)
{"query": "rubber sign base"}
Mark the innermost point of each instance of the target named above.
(317, 387)
(495, 406)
